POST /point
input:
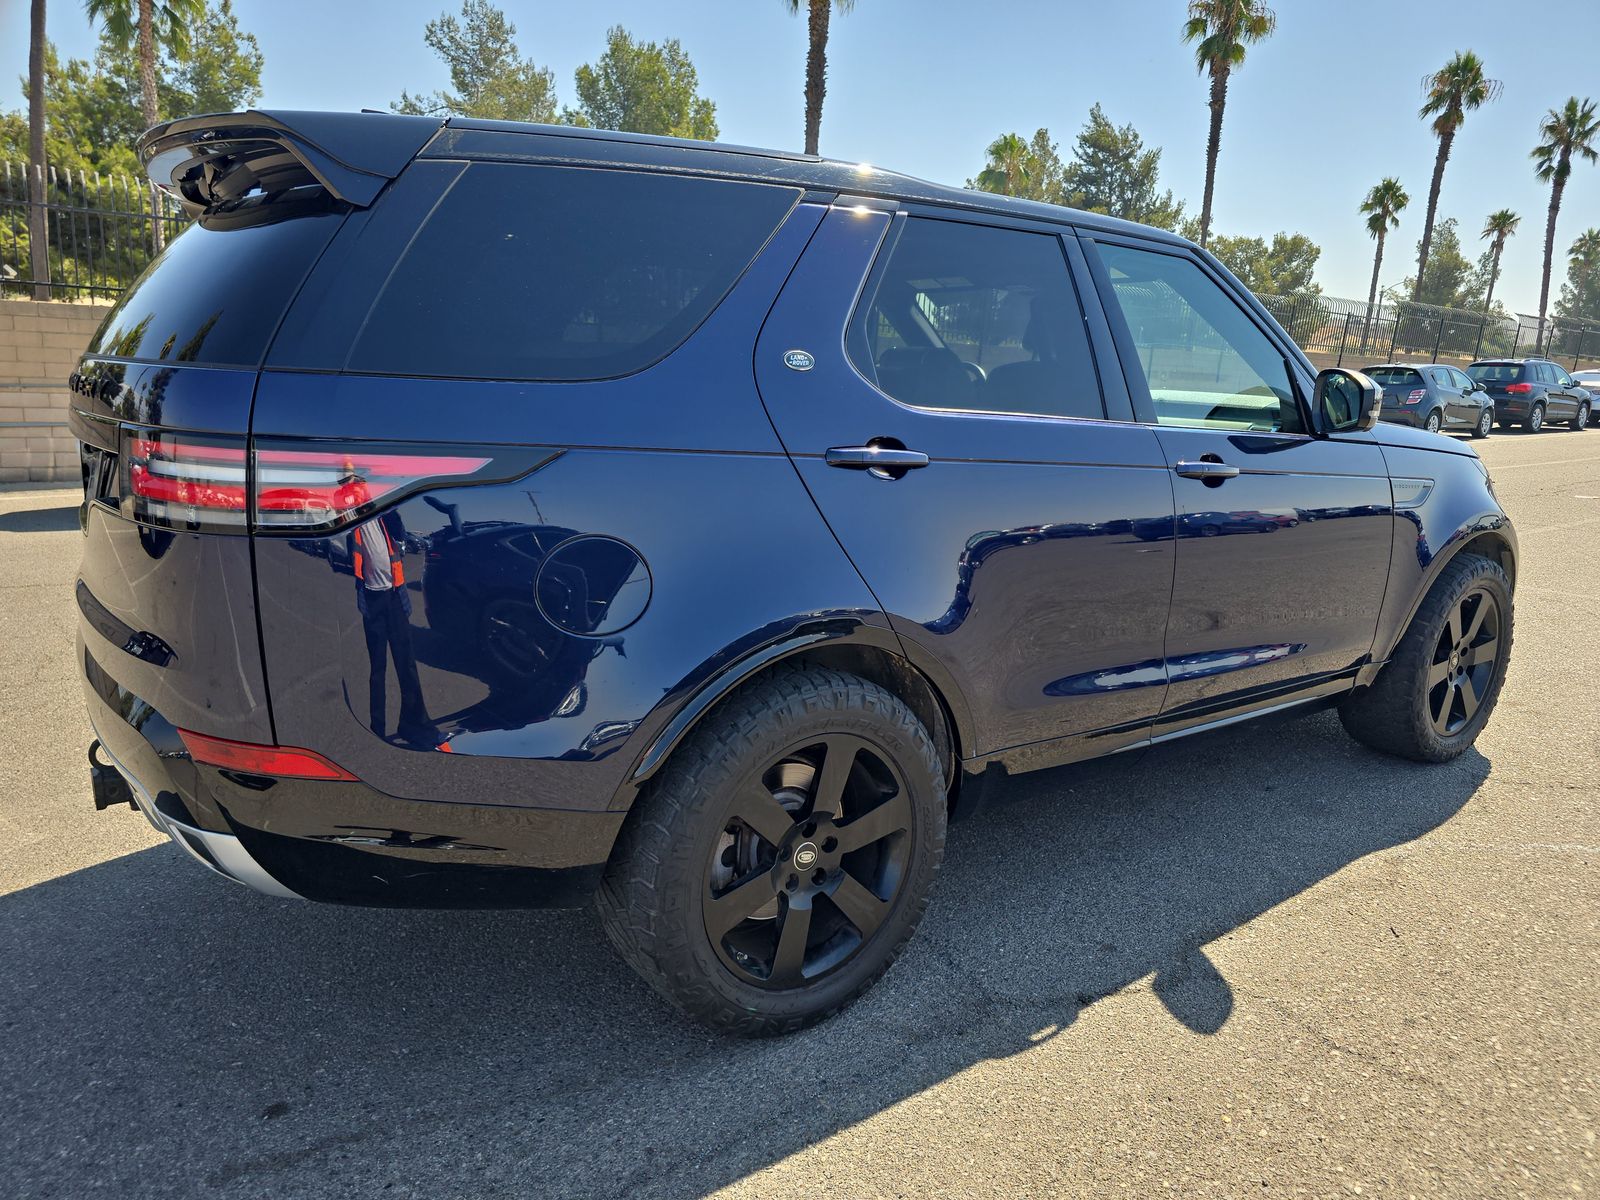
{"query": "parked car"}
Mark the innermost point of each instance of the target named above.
(1589, 381)
(1432, 396)
(1532, 391)
(735, 588)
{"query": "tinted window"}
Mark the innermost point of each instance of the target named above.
(979, 319)
(1394, 376)
(1459, 380)
(1495, 372)
(216, 293)
(1208, 365)
(563, 273)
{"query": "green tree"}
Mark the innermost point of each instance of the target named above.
(1382, 208)
(1449, 94)
(1221, 30)
(220, 73)
(1580, 294)
(818, 14)
(1566, 133)
(1111, 172)
(489, 76)
(1453, 280)
(643, 87)
(153, 28)
(1282, 267)
(92, 108)
(1010, 166)
(1497, 230)
(1031, 170)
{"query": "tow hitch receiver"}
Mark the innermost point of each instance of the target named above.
(110, 788)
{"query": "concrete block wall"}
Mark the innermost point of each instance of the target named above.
(40, 342)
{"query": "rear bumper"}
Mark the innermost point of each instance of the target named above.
(345, 842)
(1402, 416)
(219, 852)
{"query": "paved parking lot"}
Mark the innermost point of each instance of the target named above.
(1261, 962)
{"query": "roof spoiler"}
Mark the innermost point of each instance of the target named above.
(208, 161)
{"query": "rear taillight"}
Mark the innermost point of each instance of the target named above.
(1519, 389)
(186, 480)
(208, 482)
(1416, 396)
(316, 489)
(283, 762)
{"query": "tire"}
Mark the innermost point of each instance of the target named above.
(691, 843)
(1434, 422)
(1581, 421)
(1535, 419)
(1484, 425)
(1400, 713)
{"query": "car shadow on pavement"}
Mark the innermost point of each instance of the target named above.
(163, 1026)
(61, 518)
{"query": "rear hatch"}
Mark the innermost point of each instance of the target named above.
(1401, 386)
(1502, 380)
(161, 405)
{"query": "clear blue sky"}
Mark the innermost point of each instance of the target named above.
(1318, 114)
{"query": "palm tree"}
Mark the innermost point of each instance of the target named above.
(1448, 95)
(1583, 263)
(38, 216)
(1010, 165)
(1500, 226)
(817, 15)
(1382, 207)
(1223, 28)
(1567, 131)
(152, 25)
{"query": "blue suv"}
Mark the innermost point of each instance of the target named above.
(482, 514)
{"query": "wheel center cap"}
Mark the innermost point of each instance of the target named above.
(1455, 660)
(805, 855)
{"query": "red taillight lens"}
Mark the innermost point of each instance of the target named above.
(187, 480)
(305, 489)
(1519, 389)
(284, 762)
(1417, 396)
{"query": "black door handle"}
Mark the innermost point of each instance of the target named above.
(869, 457)
(1205, 470)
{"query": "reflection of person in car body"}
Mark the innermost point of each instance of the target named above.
(375, 547)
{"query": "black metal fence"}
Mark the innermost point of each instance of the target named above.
(1335, 332)
(98, 231)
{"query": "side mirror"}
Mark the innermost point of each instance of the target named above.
(1348, 400)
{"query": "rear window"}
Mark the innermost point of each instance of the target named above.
(563, 273)
(1495, 372)
(1394, 376)
(218, 290)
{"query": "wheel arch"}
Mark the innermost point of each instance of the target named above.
(872, 652)
(1489, 536)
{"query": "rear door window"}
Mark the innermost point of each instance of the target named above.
(975, 318)
(563, 273)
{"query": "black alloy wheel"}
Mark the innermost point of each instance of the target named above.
(809, 864)
(775, 867)
(1464, 660)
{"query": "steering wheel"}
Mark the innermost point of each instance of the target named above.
(979, 375)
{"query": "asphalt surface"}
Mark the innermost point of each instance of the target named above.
(1263, 961)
